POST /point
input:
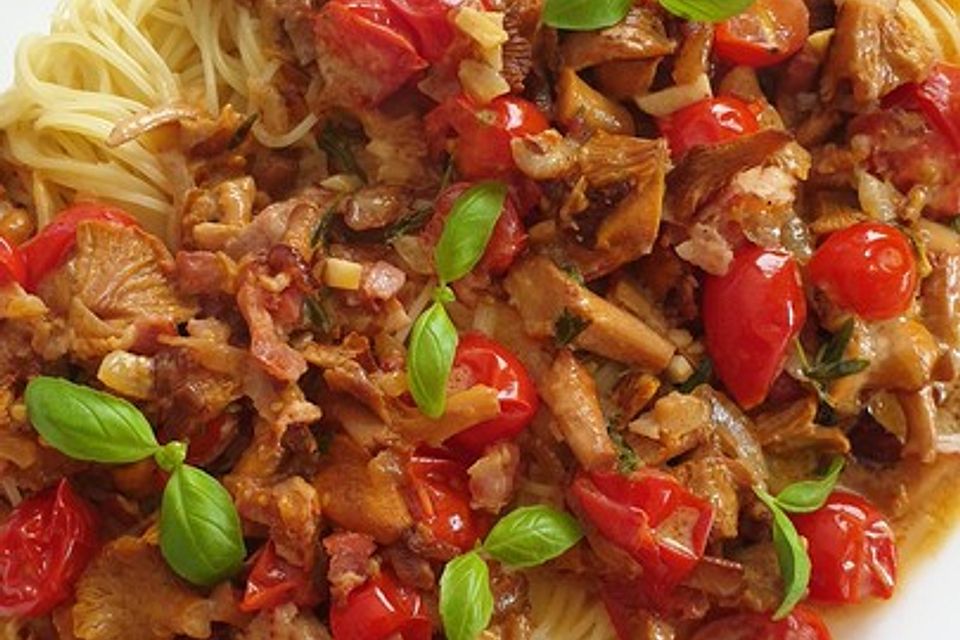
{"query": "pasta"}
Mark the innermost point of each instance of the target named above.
(107, 60)
(940, 22)
(562, 609)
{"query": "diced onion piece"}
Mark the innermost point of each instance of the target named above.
(127, 374)
(342, 183)
(939, 238)
(877, 198)
(483, 27)
(679, 369)
(342, 274)
(819, 41)
(482, 82)
(663, 103)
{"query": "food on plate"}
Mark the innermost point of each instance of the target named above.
(499, 319)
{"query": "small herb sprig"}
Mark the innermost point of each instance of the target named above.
(800, 497)
(527, 537)
(588, 15)
(829, 365)
(200, 533)
(433, 339)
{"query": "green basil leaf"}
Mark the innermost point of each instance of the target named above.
(200, 534)
(87, 424)
(706, 10)
(468, 229)
(530, 536)
(466, 601)
(791, 557)
(810, 495)
(585, 15)
(433, 344)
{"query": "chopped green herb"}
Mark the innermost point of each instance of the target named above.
(334, 142)
(701, 375)
(409, 224)
(574, 272)
(321, 235)
(568, 326)
(627, 459)
(829, 365)
(317, 315)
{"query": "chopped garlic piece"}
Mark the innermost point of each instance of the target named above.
(127, 374)
(342, 274)
(483, 27)
(482, 82)
(663, 103)
(679, 369)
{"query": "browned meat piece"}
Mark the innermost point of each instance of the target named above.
(793, 427)
(382, 281)
(290, 509)
(375, 207)
(705, 171)
(542, 293)
(129, 592)
(205, 273)
(711, 478)
(291, 222)
(493, 477)
(640, 35)
(876, 48)
(286, 622)
(570, 392)
(411, 569)
(212, 218)
(359, 494)
(351, 562)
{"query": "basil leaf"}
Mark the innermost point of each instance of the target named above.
(466, 601)
(200, 534)
(87, 424)
(530, 536)
(706, 10)
(808, 496)
(585, 15)
(468, 229)
(433, 344)
(791, 556)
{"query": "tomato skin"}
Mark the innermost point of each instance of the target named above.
(937, 97)
(639, 512)
(440, 500)
(852, 548)
(45, 544)
(802, 624)
(488, 362)
(380, 609)
(509, 237)
(708, 122)
(868, 268)
(767, 33)
(273, 581)
(483, 133)
(372, 45)
(429, 21)
(750, 317)
(52, 245)
(13, 267)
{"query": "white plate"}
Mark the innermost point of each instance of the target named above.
(922, 609)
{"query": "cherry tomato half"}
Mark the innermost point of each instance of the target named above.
(509, 237)
(429, 20)
(802, 624)
(381, 609)
(868, 268)
(273, 581)
(708, 122)
(52, 245)
(480, 360)
(852, 548)
(440, 500)
(13, 267)
(937, 97)
(652, 517)
(45, 544)
(483, 134)
(767, 33)
(750, 317)
(371, 47)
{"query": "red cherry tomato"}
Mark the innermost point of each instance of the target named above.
(767, 33)
(802, 624)
(652, 517)
(45, 544)
(370, 47)
(868, 268)
(274, 581)
(440, 500)
(750, 316)
(852, 548)
(430, 22)
(381, 609)
(937, 97)
(52, 245)
(480, 360)
(13, 268)
(708, 122)
(509, 237)
(483, 133)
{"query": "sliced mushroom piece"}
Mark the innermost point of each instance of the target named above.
(578, 101)
(641, 34)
